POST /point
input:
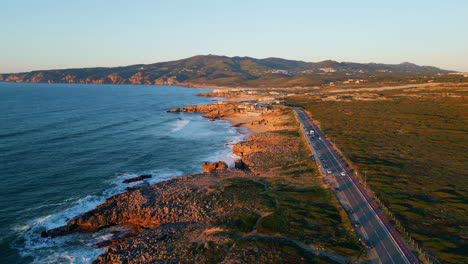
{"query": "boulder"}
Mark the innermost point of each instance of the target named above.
(139, 178)
(175, 110)
(218, 165)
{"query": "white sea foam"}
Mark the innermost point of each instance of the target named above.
(21, 228)
(179, 125)
(226, 154)
(42, 219)
(75, 248)
(79, 248)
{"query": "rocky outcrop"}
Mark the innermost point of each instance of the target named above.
(137, 78)
(214, 111)
(113, 78)
(224, 112)
(136, 179)
(174, 110)
(241, 165)
(208, 108)
(158, 244)
(245, 148)
(209, 167)
(166, 80)
(183, 199)
(211, 94)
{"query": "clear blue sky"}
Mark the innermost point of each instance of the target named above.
(51, 34)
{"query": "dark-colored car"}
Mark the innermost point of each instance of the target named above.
(368, 243)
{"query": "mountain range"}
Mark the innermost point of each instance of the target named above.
(215, 70)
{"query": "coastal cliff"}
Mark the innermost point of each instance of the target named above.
(247, 214)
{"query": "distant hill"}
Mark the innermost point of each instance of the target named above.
(229, 71)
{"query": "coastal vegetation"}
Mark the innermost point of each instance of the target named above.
(411, 144)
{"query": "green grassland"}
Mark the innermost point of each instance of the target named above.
(279, 212)
(298, 207)
(275, 218)
(413, 147)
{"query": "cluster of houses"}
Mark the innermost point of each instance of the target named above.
(353, 81)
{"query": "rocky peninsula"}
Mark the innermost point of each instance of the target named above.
(270, 208)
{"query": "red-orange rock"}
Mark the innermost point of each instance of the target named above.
(218, 165)
(175, 110)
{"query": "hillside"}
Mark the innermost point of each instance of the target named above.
(230, 71)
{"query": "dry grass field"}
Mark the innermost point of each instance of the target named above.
(412, 144)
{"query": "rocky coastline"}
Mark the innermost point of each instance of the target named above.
(218, 216)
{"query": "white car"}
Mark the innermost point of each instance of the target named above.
(343, 173)
(329, 171)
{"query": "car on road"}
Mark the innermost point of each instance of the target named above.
(329, 171)
(368, 244)
(343, 173)
(357, 224)
(337, 189)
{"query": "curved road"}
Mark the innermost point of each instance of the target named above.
(384, 244)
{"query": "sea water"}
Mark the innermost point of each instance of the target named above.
(65, 148)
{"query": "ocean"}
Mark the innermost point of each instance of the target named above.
(65, 148)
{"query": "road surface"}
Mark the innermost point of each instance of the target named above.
(384, 244)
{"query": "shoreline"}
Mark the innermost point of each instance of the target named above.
(222, 207)
(185, 85)
(113, 184)
(242, 131)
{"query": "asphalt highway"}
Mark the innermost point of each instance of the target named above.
(383, 243)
